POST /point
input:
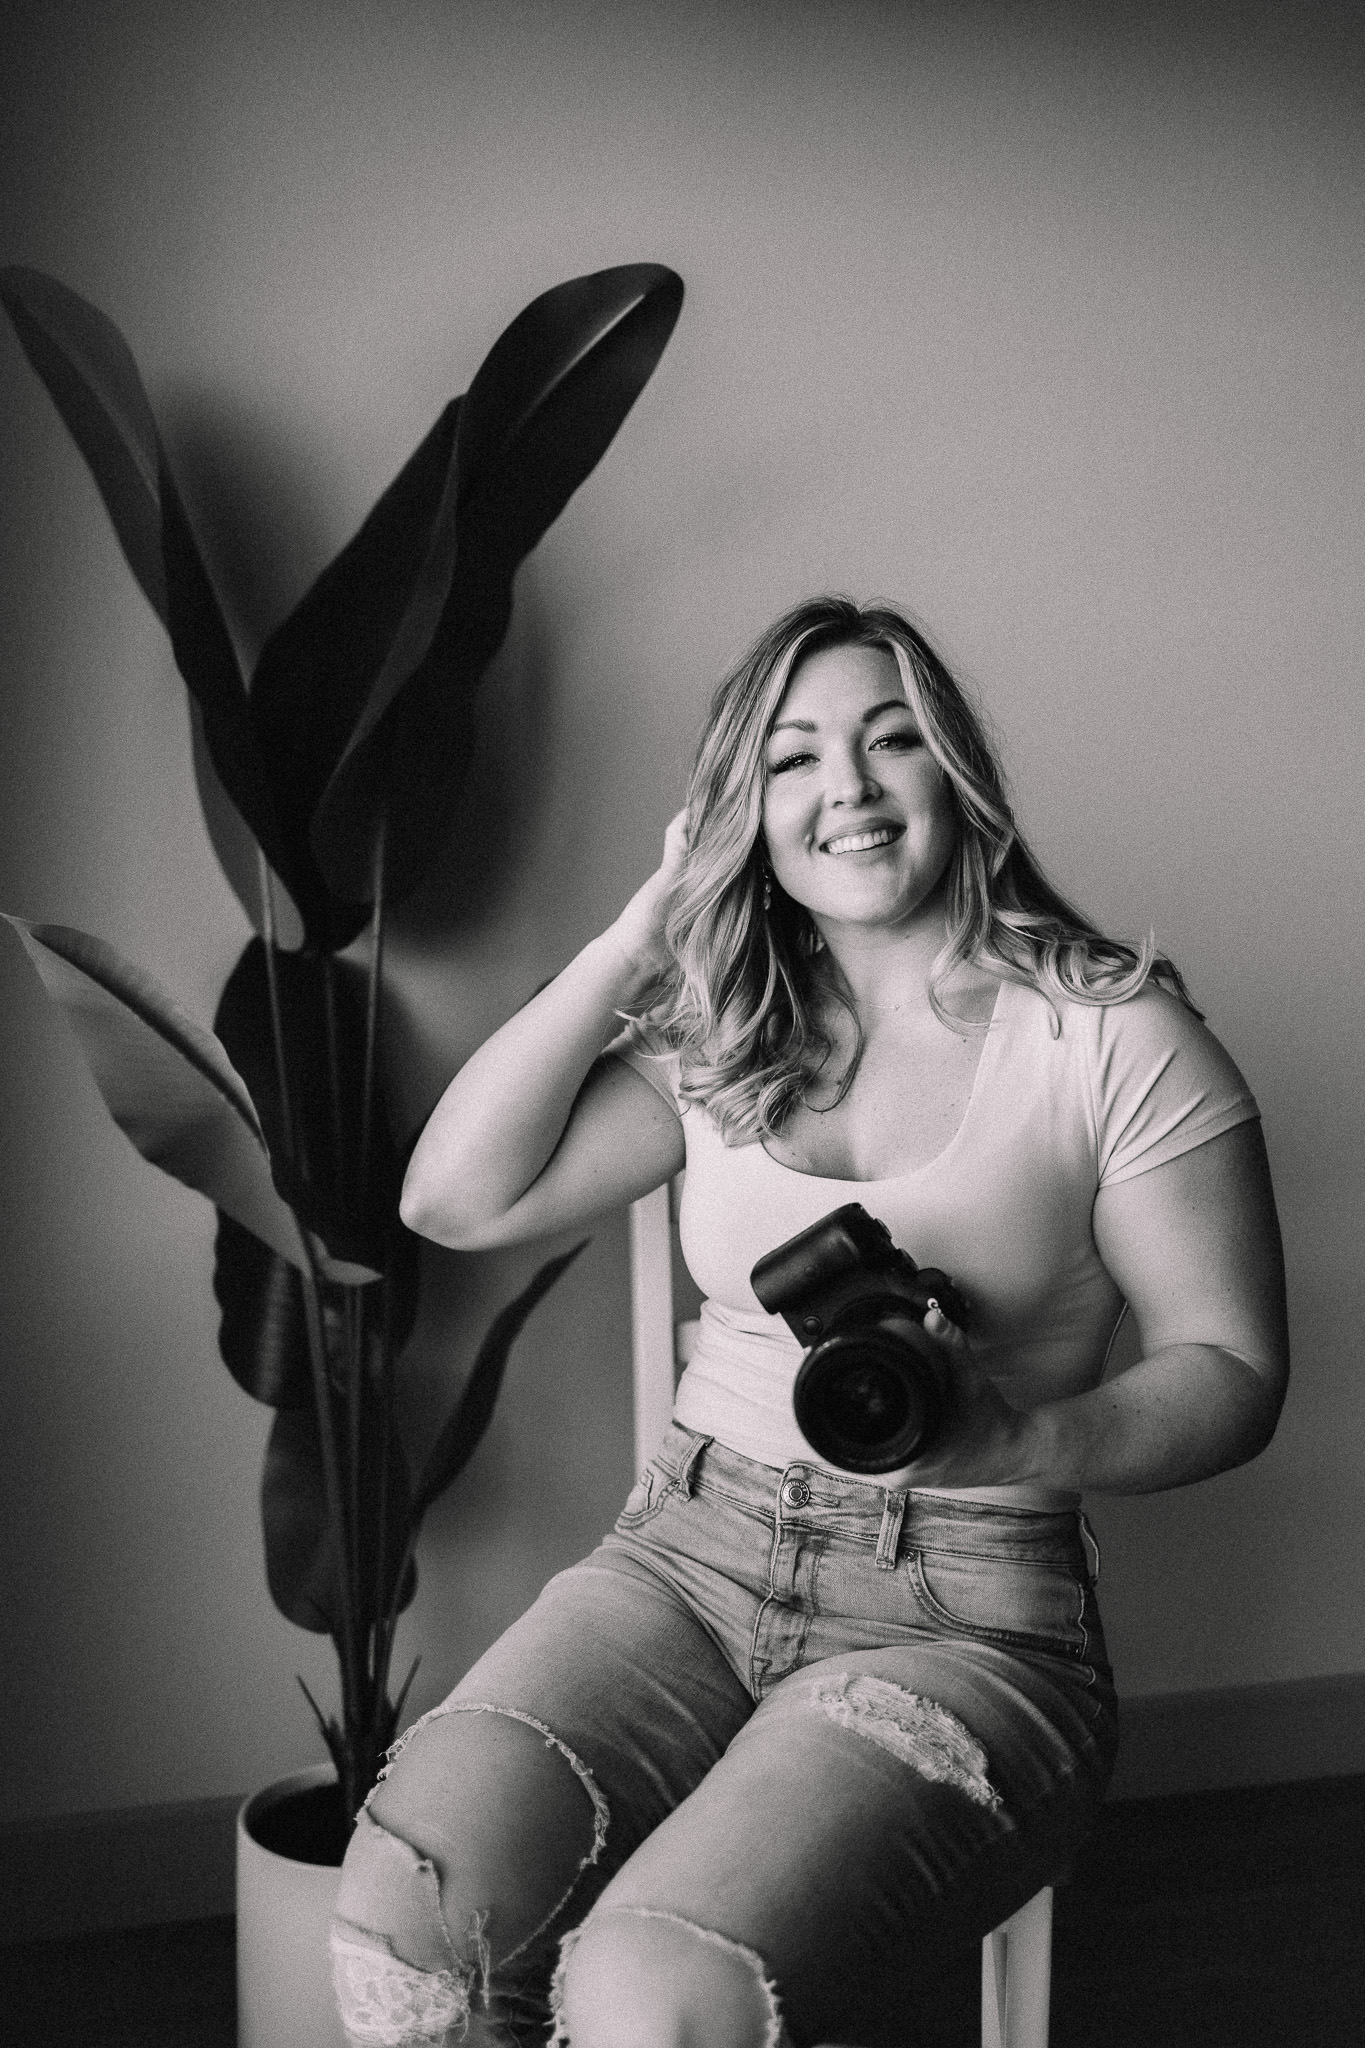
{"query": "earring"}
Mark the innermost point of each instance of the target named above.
(767, 890)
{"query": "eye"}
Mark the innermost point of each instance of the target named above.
(903, 740)
(792, 760)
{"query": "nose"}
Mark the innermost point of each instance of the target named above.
(851, 780)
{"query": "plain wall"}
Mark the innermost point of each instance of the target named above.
(1045, 321)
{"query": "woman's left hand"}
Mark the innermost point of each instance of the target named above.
(981, 1440)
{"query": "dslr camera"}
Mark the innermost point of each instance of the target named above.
(872, 1392)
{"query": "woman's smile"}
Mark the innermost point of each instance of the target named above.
(866, 841)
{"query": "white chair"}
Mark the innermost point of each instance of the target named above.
(1016, 1958)
(1016, 1977)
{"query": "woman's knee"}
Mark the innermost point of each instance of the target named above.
(635, 1978)
(466, 1850)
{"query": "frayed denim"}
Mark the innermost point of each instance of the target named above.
(836, 1732)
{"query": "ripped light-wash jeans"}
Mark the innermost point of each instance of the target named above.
(835, 1731)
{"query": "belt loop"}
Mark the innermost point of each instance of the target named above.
(889, 1535)
(698, 1445)
(1091, 1542)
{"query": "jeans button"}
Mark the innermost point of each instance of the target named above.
(795, 1493)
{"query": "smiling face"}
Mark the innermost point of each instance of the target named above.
(857, 816)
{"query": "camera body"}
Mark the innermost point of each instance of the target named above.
(872, 1390)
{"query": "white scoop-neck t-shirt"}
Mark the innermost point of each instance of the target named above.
(1005, 1209)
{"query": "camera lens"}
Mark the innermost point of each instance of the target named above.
(864, 1403)
(867, 1399)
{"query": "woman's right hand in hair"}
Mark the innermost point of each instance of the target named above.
(535, 1134)
(639, 930)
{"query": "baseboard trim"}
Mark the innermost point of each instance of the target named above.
(141, 1866)
(132, 1866)
(1241, 1735)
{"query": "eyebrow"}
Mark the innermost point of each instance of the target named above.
(808, 725)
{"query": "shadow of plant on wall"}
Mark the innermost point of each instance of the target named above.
(328, 787)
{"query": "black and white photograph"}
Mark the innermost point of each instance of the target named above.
(682, 946)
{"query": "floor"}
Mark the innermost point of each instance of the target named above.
(1216, 1920)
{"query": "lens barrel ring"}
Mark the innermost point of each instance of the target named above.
(867, 1397)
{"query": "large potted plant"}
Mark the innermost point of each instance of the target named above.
(328, 787)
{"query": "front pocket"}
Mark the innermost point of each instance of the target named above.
(641, 1502)
(1018, 1605)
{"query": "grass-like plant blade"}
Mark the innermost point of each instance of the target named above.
(463, 1429)
(93, 381)
(545, 404)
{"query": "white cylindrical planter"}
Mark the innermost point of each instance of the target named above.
(284, 1913)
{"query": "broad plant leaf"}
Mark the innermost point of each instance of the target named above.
(463, 1429)
(318, 668)
(238, 854)
(552, 392)
(317, 1162)
(262, 1334)
(539, 415)
(300, 1562)
(93, 380)
(166, 1081)
(94, 383)
(207, 661)
(168, 1084)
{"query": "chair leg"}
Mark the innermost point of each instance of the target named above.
(1016, 1977)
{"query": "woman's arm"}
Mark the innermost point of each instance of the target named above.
(1194, 1246)
(532, 1134)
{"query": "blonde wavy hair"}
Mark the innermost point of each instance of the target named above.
(739, 1002)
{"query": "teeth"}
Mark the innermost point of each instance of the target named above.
(859, 842)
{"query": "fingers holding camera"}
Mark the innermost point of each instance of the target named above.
(947, 1333)
(979, 1443)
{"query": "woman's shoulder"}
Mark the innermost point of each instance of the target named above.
(647, 1051)
(1149, 1076)
(1152, 1018)
(1161, 1081)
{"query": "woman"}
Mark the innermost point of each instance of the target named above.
(788, 1736)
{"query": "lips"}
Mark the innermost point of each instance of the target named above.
(871, 837)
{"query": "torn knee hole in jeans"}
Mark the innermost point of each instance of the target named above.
(918, 1731)
(775, 2035)
(402, 1990)
(600, 1810)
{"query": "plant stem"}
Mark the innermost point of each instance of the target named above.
(395, 1591)
(383, 1648)
(354, 1330)
(377, 1644)
(276, 1019)
(372, 1008)
(334, 1074)
(336, 1517)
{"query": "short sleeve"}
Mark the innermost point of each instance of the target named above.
(662, 1069)
(1162, 1084)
